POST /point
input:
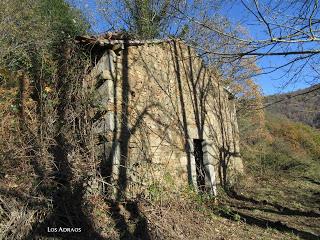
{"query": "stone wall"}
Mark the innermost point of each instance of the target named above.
(150, 102)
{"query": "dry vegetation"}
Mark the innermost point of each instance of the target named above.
(297, 105)
(47, 158)
(183, 215)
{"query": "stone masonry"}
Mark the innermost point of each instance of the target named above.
(160, 115)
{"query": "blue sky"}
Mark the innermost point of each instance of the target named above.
(270, 83)
(274, 82)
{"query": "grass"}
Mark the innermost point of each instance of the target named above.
(282, 182)
(291, 149)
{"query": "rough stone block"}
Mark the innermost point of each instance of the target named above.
(104, 124)
(105, 63)
(207, 157)
(211, 179)
(106, 91)
(113, 55)
(184, 161)
(107, 75)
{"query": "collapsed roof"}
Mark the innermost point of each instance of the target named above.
(113, 38)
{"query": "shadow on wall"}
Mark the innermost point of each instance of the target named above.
(212, 115)
(172, 114)
(114, 164)
(175, 103)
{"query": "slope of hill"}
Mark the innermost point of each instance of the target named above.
(294, 147)
(282, 177)
(297, 105)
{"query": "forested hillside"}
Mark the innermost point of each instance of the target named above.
(297, 105)
(290, 148)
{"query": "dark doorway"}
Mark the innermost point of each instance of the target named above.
(198, 155)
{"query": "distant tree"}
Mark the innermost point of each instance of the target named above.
(144, 18)
(148, 16)
(151, 19)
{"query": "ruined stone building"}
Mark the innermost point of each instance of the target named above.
(160, 115)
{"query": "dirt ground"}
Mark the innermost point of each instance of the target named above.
(286, 203)
(257, 208)
(241, 215)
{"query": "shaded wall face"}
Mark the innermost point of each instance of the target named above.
(155, 117)
(161, 97)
